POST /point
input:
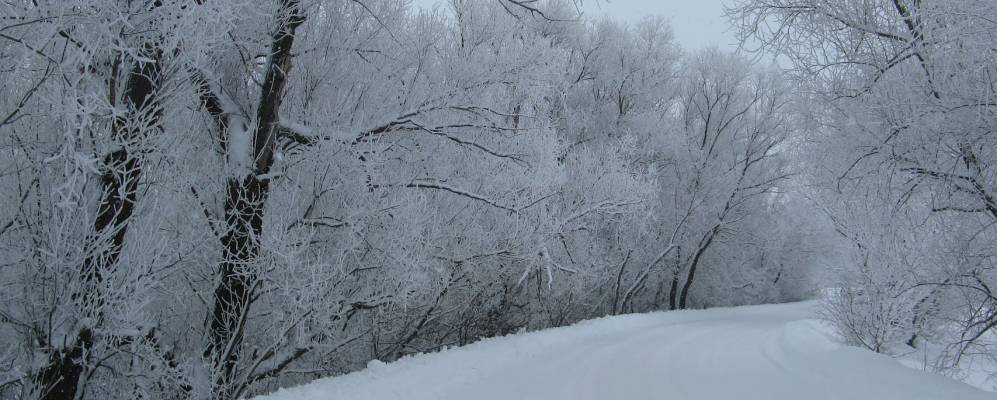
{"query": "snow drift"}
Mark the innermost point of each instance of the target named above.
(771, 352)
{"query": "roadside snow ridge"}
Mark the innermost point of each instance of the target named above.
(772, 352)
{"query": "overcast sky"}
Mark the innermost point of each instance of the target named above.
(697, 23)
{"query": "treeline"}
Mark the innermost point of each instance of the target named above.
(214, 199)
(905, 115)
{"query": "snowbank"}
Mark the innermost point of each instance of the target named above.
(770, 352)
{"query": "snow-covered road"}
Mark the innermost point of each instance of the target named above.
(770, 352)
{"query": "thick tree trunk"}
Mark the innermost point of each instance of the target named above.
(60, 378)
(244, 212)
(233, 296)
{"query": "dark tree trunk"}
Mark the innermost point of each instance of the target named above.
(60, 378)
(617, 307)
(673, 292)
(694, 264)
(244, 211)
(244, 214)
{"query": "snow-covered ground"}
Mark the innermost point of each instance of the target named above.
(771, 352)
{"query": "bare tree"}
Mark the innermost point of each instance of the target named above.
(908, 99)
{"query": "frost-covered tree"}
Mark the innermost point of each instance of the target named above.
(214, 199)
(907, 101)
(726, 161)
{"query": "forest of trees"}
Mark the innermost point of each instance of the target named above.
(905, 138)
(211, 199)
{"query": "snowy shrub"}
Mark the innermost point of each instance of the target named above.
(871, 316)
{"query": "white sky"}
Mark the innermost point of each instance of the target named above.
(697, 23)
